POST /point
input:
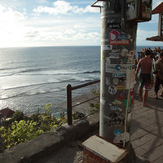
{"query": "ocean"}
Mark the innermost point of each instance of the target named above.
(34, 76)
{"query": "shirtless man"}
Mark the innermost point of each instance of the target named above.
(145, 75)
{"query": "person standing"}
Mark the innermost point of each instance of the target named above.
(159, 76)
(145, 64)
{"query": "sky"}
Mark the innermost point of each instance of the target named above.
(26, 23)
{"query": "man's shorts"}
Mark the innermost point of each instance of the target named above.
(145, 81)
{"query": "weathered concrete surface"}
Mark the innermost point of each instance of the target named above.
(47, 143)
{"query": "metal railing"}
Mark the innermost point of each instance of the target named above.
(69, 98)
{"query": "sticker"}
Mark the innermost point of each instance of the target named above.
(124, 53)
(131, 10)
(116, 38)
(111, 68)
(119, 75)
(113, 35)
(108, 81)
(121, 137)
(112, 60)
(124, 60)
(115, 52)
(117, 131)
(122, 79)
(117, 102)
(131, 57)
(102, 101)
(112, 89)
(120, 86)
(114, 25)
(115, 81)
(130, 79)
(121, 95)
(127, 57)
(115, 108)
(106, 47)
(115, 119)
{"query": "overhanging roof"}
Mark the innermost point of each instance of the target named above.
(158, 9)
(155, 38)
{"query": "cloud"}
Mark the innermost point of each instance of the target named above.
(12, 25)
(8, 15)
(63, 7)
(143, 34)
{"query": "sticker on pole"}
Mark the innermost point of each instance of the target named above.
(116, 38)
(117, 131)
(121, 137)
(106, 47)
(112, 89)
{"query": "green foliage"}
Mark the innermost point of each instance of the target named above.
(21, 128)
(18, 115)
(19, 132)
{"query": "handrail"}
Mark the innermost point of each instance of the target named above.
(69, 98)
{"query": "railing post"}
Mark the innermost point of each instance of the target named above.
(69, 104)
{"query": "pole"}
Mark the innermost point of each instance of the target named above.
(69, 104)
(118, 48)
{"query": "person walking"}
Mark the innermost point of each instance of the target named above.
(159, 76)
(145, 80)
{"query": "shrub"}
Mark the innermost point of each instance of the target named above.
(20, 128)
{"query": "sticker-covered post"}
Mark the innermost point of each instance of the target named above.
(118, 47)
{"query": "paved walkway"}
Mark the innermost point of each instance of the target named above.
(147, 128)
(146, 135)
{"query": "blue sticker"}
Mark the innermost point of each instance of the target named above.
(114, 108)
(117, 131)
(118, 67)
(118, 75)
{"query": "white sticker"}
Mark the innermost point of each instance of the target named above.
(108, 81)
(130, 79)
(111, 68)
(112, 89)
(121, 137)
(107, 47)
(102, 101)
